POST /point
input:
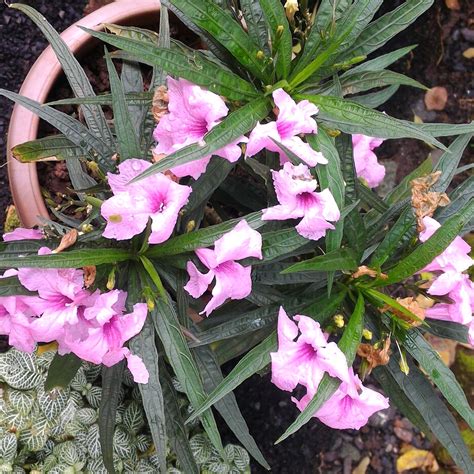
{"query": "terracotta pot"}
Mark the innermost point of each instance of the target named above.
(45, 71)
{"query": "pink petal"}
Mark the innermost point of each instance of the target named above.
(280, 213)
(313, 227)
(328, 206)
(23, 234)
(194, 168)
(232, 281)
(241, 242)
(198, 282)
(128, 170)
(207, 257)
(131, 324)
(260, 138)
(365, 160)
(137, 368)
(303, 151)
(291, 182)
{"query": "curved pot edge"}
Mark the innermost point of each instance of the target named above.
(23, 178)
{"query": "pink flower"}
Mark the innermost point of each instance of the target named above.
(156, 197)
(460, 289)
(454, 259)
(350, 407)
(193, 111)
(232, 279)
(296, 192)
(104, 342)
(23, 234)
(304, 354)
(292, 120)
(366, 164)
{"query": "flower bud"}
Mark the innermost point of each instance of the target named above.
(291, 7)
(339, 320)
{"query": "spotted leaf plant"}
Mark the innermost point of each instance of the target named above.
(229, 212)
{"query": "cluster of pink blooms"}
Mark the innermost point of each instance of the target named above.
(304, 355)
(451, 281)
(233, 280)
(365, 160)
(92, 325)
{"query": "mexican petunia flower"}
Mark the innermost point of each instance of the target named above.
(193, 112)
(296, 192)
(232, 279)
(292, 120)
(21, 233)
(155, 197)
(350, 407)
(454, 259)
(365, 160)
(304, 354)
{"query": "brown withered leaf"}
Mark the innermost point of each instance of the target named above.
(436, 98)
(424, 201)
(68, 240)
(374, 356)
(160, 103)
(90, 272)
(412, 305)
(414, 458)
(364, 270)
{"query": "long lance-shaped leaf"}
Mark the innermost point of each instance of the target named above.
(72, 129)
(167, 327)
(380, 62)
(343, 259)
(443, 129)
(194, 67)
(259, 357)
(439, 373)
(200, 238)
(256, 23)
(375, 99)
(54, 147)
(227, 407)
(69, 259)
(229, 130)
(387, 26)
(62, 370)
(221, 25)
(348, 344)
(351, 117)
(280, 34)
(448, 330)
(436, 416)
(427, 251)
(77, 78)
(175, 424)
(132, 98)
(127, 139)
(111, 385)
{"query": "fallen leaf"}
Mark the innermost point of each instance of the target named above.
(417, 459)
(436, 98)
(364, 270)
(362, 466)
(453, 4)
(468, 53)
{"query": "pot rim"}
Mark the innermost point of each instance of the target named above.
(23, 127)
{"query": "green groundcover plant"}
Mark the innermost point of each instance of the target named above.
(228, 210)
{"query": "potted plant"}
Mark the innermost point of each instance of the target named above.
(256, 209)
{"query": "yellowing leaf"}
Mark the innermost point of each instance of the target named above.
(417, 459)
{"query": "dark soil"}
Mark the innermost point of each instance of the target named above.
(442, 36)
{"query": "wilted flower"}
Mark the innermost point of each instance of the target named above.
(304, 354)
(232, 279)
(21, 233)
(296, 192)
(155, 197)
(193, 112)
(365, 160)
(350, 407)
(292, 120)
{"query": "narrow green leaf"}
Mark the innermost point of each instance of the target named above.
(375, 99)
(280, 243)
(127, 139)
(72, 129)
(194, 67)
(427, 251)
(351, 117)
(53, 147)
(256, 24)
(62, 370)
(342, 259)
(448, 330)
(280, 34)
(439, 373)
(381, 62)
(77, 78)
(444, 129)
(111, 385)
(436, 416)
(227, 406)
(348, 344)
(221, 26)
(167, 327)
(132, 98)
(132, 83)
(230, 129)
